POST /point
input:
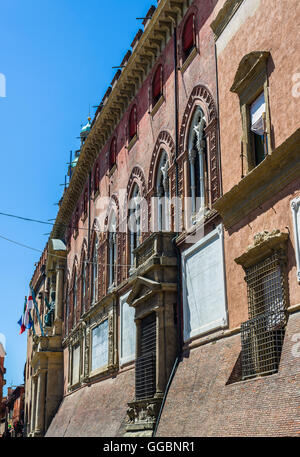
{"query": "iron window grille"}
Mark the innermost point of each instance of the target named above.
(263, 334)
(145, 373)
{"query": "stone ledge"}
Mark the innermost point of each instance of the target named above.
(224, 16)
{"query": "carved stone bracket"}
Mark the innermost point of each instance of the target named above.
(142, 414)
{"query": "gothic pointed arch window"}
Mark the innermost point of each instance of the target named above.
(188, 36)
(112, 249)
(94, 282)
(113, 153)
(67, 321)
(96, 178)
(132, 123)
(84, 283)
(75, 298)
(157, 85)
(162, 193)
(198, 165)
(134, 222)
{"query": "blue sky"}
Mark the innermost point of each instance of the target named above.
(57, 58)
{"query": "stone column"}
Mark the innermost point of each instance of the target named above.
(33, 406)
(40, 404)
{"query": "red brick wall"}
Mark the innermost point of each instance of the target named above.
(200, 403)
(95, 411)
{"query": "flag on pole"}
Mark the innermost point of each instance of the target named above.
(26, 321)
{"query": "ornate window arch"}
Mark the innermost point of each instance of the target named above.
(112, 248)
(200, 106)
(162, 193)
(84, 278)
(94, 271)
(75, 298)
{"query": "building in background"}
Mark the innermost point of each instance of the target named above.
(2, 384)
(173, 265)
(14, 412)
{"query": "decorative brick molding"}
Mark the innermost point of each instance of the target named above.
(137, 175)
(201, 94)
(164, 139)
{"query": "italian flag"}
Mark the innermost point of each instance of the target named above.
(26, 321)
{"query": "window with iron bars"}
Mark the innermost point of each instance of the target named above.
(145, 372)
(263, 334)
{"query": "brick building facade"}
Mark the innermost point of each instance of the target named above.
(174, 256)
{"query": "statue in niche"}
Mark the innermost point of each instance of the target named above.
(49, 317)
(199, 129)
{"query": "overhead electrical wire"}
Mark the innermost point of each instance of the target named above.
(59, 256)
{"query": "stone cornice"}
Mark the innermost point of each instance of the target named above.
(224, 16)
(116, 102)
(264, 245)
(262, 183)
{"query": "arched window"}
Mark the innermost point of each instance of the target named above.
(75, 299)
(162, 193)
(67, 311)
(197, 148)
(94, 285)
(134, 223)
(132, 123)
(113, 153)
(157, 85)
(112, 246)
(85, 202)
(96, 178)
(84, 283)
(188, 36)
(76, 220)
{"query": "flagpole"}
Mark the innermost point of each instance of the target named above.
(37, 310)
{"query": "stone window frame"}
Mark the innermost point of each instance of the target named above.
(185, 62)
(264, 246)
(250, 81)
(130, 358)
(105, 311)
(74, 340)
(295, 207)
(214, 325)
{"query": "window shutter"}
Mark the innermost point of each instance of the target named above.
(132, 123)
(189, 34)
(112, 153)
(157, 84)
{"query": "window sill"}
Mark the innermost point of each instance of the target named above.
(189, 60)
(157, 106)
(132, 142)
(99, 371)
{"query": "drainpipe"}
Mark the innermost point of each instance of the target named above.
(179, 321)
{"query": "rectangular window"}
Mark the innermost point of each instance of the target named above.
(262, 335)
(145, 371)
(100, 346)
(204, 299)
(75, 364)
(258, 129)
(128, 331)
